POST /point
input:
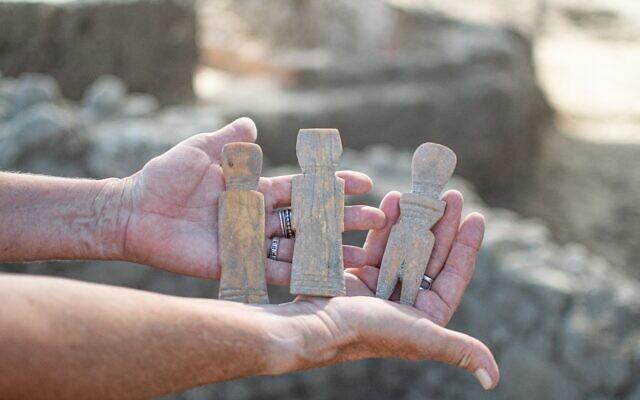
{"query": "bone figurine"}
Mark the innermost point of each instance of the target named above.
(241, 223)
(317, 207)
(411, 240)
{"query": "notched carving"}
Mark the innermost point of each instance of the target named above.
(411, 240)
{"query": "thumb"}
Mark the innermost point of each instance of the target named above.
(463, 351)
(400, 331)
(241, 130)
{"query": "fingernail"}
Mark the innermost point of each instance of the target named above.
(245, 124)
(242, 121)
(483, 377)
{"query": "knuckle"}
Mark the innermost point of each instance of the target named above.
(465, 356)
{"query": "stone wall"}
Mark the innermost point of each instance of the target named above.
(382, 73)
(151, 45)
(588, 169)
(562, 323)
(588, 188)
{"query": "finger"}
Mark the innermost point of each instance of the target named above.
(278, 272)
(353, 256)
(376, 240)
(241, 130)
(401, 331)
(363, 218)
(285, 248)
(368, 275)
(444, 297)
(445, 232)
(277, 190)
(462, 351)
(355, 218)
(355, 286)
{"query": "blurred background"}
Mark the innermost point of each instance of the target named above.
(540, 99)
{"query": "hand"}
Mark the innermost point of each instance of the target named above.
(172, 206)
(364, 326)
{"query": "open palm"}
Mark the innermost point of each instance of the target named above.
(172, 208)
(451, 265)
(381, 328)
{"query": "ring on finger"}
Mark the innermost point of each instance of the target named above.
(426, 282)
(284, 214)
(273, 249)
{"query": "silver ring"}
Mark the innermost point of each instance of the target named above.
(285, 223)
(273, 249)
(426, 283)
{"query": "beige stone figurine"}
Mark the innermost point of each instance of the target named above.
(411, 240)
(241, 222)
(317, 206)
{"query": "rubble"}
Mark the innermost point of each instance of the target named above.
(110, 133)
(382, 72)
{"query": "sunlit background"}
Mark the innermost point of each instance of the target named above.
(540, 99)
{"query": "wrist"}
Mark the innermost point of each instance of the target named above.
(111, 207)
(48, 218)
(307, 334)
